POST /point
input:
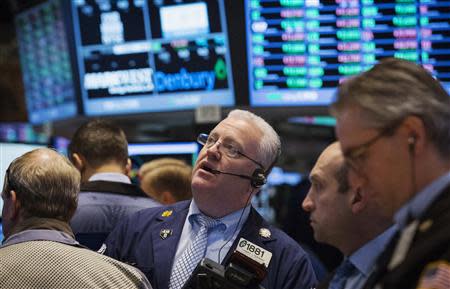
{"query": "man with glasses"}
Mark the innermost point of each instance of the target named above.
(232, 166)
(393, 123)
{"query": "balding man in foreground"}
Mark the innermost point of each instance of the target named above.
(40, 196)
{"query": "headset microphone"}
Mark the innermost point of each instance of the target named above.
(216, 172)
(257, 179)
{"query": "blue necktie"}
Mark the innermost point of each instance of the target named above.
(343, 272)
(193, 254)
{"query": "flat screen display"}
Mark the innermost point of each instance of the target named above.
(145, 152)
(8, 153)
(140, 56)
(46, 64)
(300, 50)
(60, 144)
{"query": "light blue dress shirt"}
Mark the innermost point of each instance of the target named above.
(220, 238)
(364, 259)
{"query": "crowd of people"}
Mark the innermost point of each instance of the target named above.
(380, 194)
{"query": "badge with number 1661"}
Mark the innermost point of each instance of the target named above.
(254, 252)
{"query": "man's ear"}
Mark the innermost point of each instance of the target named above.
(128, 167)
(16, 204)
(358, 200)
(78, 161)
(415, 132)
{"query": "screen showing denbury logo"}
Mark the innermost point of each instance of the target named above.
(186, 80)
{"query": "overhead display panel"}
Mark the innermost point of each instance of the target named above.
(140, 56)
(45, 62)
(300, 50)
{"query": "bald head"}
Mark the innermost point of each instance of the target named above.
(333, 160)
(45, 183)
(342, 215)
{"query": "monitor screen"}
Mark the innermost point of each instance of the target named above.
(140, 56)
(145, 152)
(8, 153)
(299, 51)
(60, 144)
(46, 63)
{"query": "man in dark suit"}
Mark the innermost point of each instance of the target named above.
(99, 150)
(232, 166)
(393, 123)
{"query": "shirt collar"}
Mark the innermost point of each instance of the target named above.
(40, 235)
(230, 221)
(113, 177)
(365, 257)
(417, 206)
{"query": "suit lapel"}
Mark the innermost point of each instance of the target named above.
(423, 241)
(430, 234)
(165, 244)
(251, 232)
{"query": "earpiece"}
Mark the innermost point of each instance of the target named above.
(411, 143)
(258, 178)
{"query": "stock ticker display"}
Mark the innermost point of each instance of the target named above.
(299, 50)
(45, 63)
(155, 55)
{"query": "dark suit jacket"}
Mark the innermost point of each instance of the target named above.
(101, 205)
(431, 243)
(139, 241)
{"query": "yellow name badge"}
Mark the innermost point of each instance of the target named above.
(167, 213)
(254, 252)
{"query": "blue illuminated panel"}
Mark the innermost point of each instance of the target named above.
(187, 151)
(139, 56)
(45, 62)
(145, 152)
(300, 50)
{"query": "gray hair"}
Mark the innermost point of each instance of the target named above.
(270, 144)
(395, 89)
(46, 184)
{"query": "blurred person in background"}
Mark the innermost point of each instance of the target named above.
(167, 180)
(99, 150)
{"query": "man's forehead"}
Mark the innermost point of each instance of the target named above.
(328, 162)
(331, 156)
(234, 127)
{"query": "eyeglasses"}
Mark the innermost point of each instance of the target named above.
(354, 156)
(228, 148)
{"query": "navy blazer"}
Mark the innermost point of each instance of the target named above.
(149, 239)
